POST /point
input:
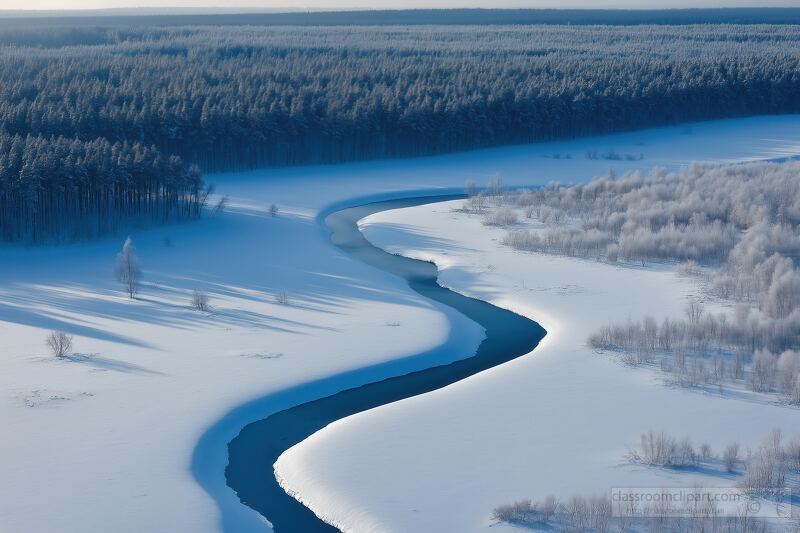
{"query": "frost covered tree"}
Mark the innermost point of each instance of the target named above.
(766, 469)
(128, 269)
(763, 371)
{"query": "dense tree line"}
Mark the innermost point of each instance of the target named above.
(233, 98)
(228, 98)
(57, 187)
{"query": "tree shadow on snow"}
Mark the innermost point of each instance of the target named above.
(103, 363)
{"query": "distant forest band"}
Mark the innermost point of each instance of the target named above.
(96, 123)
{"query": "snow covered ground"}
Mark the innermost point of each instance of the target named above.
(558, 421)
(107, 440)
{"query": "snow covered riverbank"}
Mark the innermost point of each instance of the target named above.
(558, 421)
(107, 440)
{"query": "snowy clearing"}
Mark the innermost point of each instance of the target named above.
(107, 438)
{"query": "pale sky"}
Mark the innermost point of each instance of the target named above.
(387, 4)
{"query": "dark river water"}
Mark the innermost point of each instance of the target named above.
(254, 451)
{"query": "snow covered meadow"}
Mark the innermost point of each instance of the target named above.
(128, 431)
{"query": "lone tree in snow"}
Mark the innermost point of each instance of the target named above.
(59, 343)
(128, 270)
(200, 301)
(273, 210)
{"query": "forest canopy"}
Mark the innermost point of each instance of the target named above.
(230, 98)
(240, 97)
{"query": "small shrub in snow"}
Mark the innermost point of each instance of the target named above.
(764, 473)
(656, 449)
(730, 457)
(766, 467)
(525, 198)
(685, 454)
(547, 508)
(60, 343)
(792, 455)
(788, 370)
(476, 203)
(705, 452)
(200, 301)
(660, 449)
(763, 371)
(222, 204)
(694, 311)
(794, 395)
(530, 212)
(282, 298)
(519, 511)
(525, 512)
(578, 513)
(503, 216)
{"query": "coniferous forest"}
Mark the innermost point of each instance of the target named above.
(100, 124)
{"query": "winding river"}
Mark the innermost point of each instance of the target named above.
(254, 451)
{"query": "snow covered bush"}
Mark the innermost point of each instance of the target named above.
(656, 449)
(476, 203)
(703, 214)
(766, 470)
(792, 455)
(518, 512)
(705, 452)
(60, 343)
(685, 454)
(525, 512)
(504, 216)
(546, 508)
(730, 457)
(788, 372)
(763, 373)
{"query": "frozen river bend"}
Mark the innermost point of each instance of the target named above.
(257, 447)
(141, 417)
